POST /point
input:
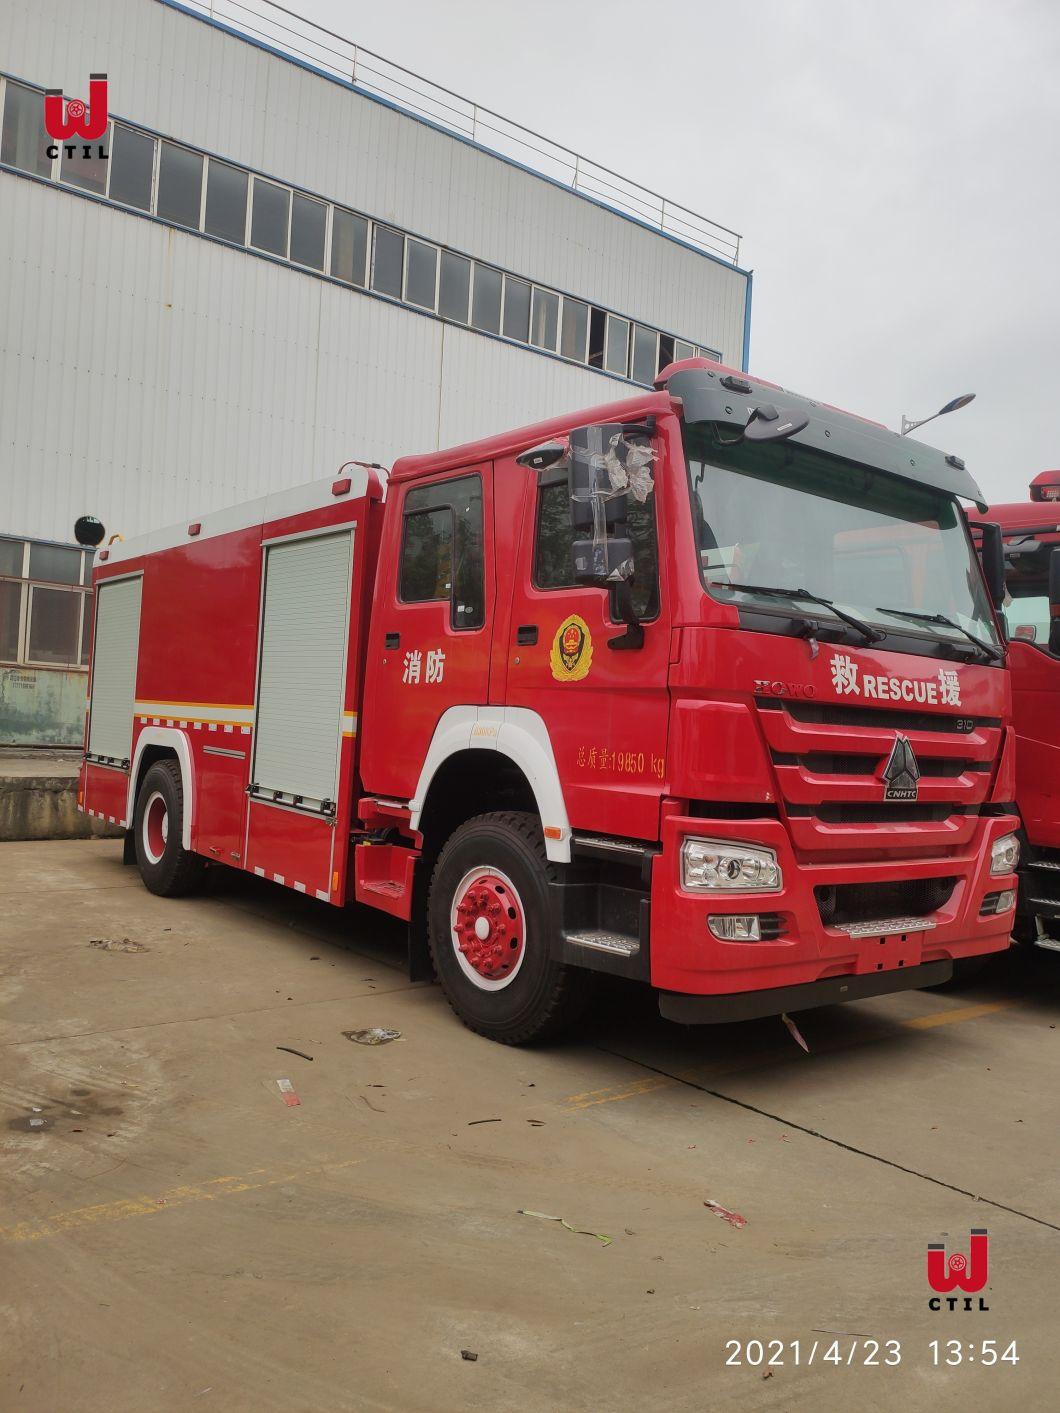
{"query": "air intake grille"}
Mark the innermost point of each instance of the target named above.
(861, 902)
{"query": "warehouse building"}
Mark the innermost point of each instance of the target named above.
(283, 252)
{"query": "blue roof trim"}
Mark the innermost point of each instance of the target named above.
(437, 127)
(746, 363)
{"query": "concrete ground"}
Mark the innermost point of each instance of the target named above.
(176, 1236)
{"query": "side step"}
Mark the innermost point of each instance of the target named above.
(618, 944)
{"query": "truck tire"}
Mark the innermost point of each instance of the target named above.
(490, 925)
(166, 867)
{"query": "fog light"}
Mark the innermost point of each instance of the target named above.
(1004, 854)
(1006, 901)
(735, 927)
(725, 866)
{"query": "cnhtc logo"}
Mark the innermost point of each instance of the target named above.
(901, 773)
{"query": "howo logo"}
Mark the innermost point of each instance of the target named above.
(77, 119)
(967, 1273)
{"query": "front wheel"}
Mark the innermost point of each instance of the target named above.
(166, 867)
(490, 932)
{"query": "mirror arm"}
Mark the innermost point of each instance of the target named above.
(633, 637)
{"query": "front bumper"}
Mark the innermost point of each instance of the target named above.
(686, 958)
(751, 1005)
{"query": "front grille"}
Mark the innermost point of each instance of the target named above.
(848, 903)
(884, 813)
(836, 763)
(830, 714)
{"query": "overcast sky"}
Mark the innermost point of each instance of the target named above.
(893, 167)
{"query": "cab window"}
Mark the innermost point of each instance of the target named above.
(441, 549)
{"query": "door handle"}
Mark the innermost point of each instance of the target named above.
(526, 634)
(392, 640)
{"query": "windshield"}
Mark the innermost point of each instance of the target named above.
(787, 517)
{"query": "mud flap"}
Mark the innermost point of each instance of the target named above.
(128, 848)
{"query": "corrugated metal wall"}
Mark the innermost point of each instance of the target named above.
(147, 374)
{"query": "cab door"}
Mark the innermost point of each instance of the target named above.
(432, 622)
(606, 707)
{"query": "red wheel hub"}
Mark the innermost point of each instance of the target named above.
(488, 926)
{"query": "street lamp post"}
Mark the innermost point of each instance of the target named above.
(953, 406)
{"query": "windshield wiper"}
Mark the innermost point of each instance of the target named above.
(988, 650)
(871, 635)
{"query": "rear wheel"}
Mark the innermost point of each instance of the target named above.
(490, 932)
(166, 867)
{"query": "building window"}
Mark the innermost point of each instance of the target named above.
(575, 330)
(55, 564)
(349, 246)
(54, 624)
(10, 612)
(179, 185)
(388, 258)
(40, 622)
(645, 354)
(226, 202)
(666, 352)
(421, 277)
(545, 329)
(270, 218)
(486, 301)
(308, 226)
(132, 166)
(454, 287)
(597, 331)
(12, 553)
(616, 355)
(516, 309)
(88, 173)
(442, 549)
(24, 143)
(683, 350)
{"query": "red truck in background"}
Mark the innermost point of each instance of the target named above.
(1031, 535)
(703, 688)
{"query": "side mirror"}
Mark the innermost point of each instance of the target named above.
(602, 562)
(992, 553)
(595, 502)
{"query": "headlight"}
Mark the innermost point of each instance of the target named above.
(726, 866)
(1004, 854)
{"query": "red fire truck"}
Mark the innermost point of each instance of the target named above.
(703, 688)
(1031, 534)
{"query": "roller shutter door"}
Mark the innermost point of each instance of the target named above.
(115, 651)
(305, 620)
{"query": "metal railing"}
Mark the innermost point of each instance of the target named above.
(311, 43)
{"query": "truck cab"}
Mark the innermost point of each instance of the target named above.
(1030, 531)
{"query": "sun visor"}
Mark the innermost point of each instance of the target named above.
(705, 398)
